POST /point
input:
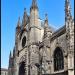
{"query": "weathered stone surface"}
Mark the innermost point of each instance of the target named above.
(40, 46)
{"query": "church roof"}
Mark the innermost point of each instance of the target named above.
(58, 32)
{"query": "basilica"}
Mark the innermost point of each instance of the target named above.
(38, 49)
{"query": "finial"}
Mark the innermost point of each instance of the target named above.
(46, 19)
(25, 13)
(24, 18)
(24, 9)
(14, 51)
(67, 9)
(18, 25)
(46, 16)
(10, 54)
(34, 5)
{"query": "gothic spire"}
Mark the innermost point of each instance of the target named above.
(14, 52)
(25, 17)
(67, 10)
(34, 4)
(25, 12)
(10, 55)
(46, 27)
(9, 58)
(46, 20)
(18, 24)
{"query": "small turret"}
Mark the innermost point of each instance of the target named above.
(10, 55)
(47, 31)
(10, 64)
(46, 20)
(14, 52)
(25, 18)
(18, 28)
(10, 59)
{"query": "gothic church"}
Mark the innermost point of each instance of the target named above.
(38, 49)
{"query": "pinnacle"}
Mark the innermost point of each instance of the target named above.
(18, 25)
(34, 5)
(25, 13)
(10, 53)
(67, 8)
(46, 20)
(46, 16)
(24, 10)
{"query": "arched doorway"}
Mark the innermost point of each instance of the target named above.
(58, 59)
(22, 68)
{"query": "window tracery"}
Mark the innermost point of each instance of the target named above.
(58, 59)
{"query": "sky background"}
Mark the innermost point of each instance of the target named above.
(12, 9)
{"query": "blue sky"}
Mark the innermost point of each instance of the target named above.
(12, 9)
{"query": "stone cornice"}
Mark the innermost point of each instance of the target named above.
(35, 27)
(4, 69)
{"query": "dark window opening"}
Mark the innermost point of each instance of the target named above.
(23, 41)
(22, 68)
(58, 59)
(22, 31)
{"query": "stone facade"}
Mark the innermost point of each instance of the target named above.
(4, 71)
(39, 50)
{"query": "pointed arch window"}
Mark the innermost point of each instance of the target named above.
(58, 59)
(22, 68)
